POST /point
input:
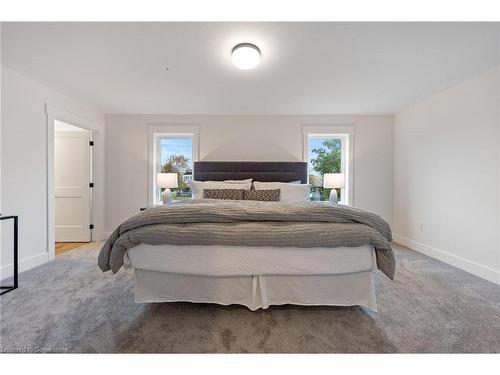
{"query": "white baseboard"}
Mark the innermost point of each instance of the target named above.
(477, 269)
(24, 264)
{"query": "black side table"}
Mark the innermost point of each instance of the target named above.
(6, 289)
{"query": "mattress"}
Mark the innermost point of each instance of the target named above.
(249, 261)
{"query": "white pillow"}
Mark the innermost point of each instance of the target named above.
(247, 181)
(198, 186)
(289, 192)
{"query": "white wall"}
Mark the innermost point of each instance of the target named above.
(446, 176)
(1, 125)
(60, 126)
(255, 138)
(24, 162)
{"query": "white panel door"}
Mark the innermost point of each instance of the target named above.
(72, 192)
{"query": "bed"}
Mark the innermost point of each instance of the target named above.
(255, 254)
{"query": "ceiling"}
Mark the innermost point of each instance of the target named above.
(307, 68)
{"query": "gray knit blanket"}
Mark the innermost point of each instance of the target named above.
(251, 223)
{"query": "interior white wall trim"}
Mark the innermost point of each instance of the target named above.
(25, 264)
(54, 113)
(474, 268)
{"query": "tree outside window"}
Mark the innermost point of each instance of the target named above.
(325, 156)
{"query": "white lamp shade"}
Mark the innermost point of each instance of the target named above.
(166, 180)
(333, 180)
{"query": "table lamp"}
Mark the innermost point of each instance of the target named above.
(167, 181)
(334, 181)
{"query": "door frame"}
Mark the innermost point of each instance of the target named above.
(97, 175)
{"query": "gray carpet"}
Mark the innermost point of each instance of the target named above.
(69, 305)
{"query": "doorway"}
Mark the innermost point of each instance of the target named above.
(96, 130)
(72, 186)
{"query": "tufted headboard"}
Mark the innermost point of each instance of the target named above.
(266, 171)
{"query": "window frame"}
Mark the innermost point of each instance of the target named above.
(157, 132)
(346, 134)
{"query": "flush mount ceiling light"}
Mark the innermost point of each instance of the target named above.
(246, 56)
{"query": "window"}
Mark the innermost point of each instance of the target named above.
(176, 156)
(173, 149)
(328, 149)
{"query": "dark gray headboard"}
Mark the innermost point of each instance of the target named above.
(282, 171)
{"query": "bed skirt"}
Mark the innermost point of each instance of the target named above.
(259, 291)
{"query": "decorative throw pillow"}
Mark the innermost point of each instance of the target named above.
(262, 195)
(197, 187)
(290, 193)
(231, 194)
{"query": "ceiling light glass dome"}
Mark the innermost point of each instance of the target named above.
(246, 56)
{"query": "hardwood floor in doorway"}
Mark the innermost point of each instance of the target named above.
(62, 247)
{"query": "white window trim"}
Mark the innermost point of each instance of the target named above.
(156, 131)
(345, 131)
